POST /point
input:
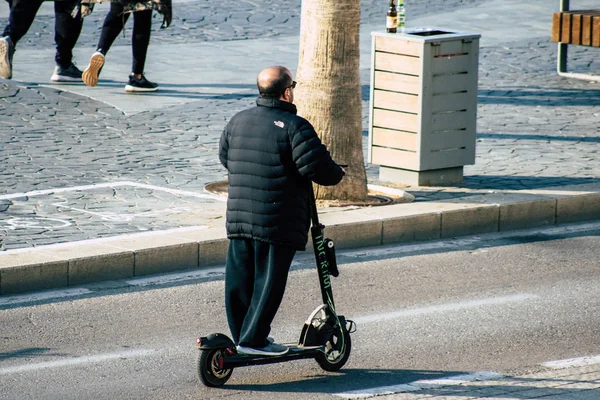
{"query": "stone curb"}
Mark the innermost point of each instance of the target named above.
(128, 256)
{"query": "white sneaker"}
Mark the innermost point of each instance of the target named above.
(272, 349)
(6, 54)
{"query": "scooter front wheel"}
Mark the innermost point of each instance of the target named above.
(210, 369)
(337, 351)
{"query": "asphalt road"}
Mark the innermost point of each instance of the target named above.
(502, 302)
(535, 129)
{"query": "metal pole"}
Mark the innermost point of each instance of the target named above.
(562, 57)
(562, 48)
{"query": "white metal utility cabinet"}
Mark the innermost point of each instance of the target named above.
(423, 105)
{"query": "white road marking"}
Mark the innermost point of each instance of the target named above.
(41, 296)
(413, 312)
(69, 362)
(111, 185)
(182, 276)
(419, 385)
(573, 362)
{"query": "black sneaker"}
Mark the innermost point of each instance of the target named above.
(140, 85)
(7, 49)
(66, 75)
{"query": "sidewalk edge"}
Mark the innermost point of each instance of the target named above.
(76, 263)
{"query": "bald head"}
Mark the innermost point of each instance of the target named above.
(273, 81)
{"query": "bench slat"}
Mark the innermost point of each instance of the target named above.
(576, 27)
(556, 27)
(565, 34)
(596, 32)
(586, 30)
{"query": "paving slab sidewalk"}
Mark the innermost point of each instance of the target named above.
(536, 161)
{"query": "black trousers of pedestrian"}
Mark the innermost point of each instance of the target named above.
(66, 27)
(255, 279)
(114, 22)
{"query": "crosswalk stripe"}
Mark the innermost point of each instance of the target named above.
(573, 362)
(419, 385)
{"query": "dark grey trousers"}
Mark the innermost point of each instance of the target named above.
(255, 279)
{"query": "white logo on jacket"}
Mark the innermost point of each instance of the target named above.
(279, 124)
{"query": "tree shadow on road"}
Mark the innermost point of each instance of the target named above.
(525, 182)
(531, 96)
(27, 353)
(543, 138)
(539, 96)
(476, 185)
(347, 380)
(420, 384)
(200, 95)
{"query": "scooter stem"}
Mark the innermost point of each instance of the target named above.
(320, 249)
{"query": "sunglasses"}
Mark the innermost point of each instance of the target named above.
(293, 85)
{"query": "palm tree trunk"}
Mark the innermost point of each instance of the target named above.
(329, 92)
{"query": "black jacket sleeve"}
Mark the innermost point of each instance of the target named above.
(312, 157)
(223, 147)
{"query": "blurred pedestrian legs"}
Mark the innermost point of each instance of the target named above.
(114, 23)
(67, 28)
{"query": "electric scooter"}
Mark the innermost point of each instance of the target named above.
(325, 336)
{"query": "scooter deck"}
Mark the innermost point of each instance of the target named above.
(295, 353)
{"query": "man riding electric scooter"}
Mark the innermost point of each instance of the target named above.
(272, 157)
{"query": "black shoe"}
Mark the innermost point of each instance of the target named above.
(140, 85)
(69, 74)
(7, 49)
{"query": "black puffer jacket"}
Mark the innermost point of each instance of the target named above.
(271, 155)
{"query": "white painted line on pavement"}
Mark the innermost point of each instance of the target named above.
(182, 276)
(413, 312)
(111, 185)
(573, 362)
(69, 362)
(419, 385)
(41, 296)
(179, 192)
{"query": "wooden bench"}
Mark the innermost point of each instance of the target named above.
(575, 27)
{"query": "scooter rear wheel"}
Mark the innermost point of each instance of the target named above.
(209, 368)
(337, 353)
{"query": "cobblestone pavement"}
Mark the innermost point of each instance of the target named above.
(206, 20)
(535, 130)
